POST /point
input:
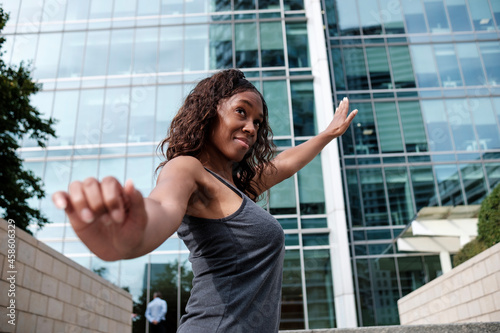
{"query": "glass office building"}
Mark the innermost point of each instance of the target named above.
(423, 74)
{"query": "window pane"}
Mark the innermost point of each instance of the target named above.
(379, 68)
(221, 46)
(319, 287)
(171, 44)
(88, 129)
(354, 60)
(365, 133)
(47, 56)
(459, 15)
(474, 183)
(282, 198)
(65, 108)
(425, 68)
(269, 4)
(244, 4)
(311, 192)
(77, 12)
(436, 16)
(246, 45)
(390, 135)
(271, 44)
(373, 197)
(297, 45)
(292, 310)
(331, 16)
(276, 96)
(120, 53)
(304, 119)
(96, 50)
(424, 189)
(71, 54)
(116, 110)
(142, 114)
(447, 64)
(392, 17)
(400, 196)
(100, 10)
(486, 125)
(493, 172)
(437, 126)
(196, 47)
(461, 124)
(348, 18)
(313, 223)
(354, 197)
(402, 68)
(168, 103)
(347, 141)
(413, 127)
(140, 169)
(145, 50)
(370, 17)
(471, 65)
(385, 291)
(414, 16)
(294, 5)
(449, 187)
(491, 54)
(196, 6)
(411, 273)
(495, 5)
(481, 15)
(338, 69)
(364, 291)
(112, 167)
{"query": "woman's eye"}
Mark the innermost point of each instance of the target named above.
(257, 123)
(241, 111)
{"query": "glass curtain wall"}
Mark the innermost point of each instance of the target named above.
(424, 76)
(114, 73)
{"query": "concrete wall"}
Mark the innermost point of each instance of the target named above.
(468, 293)
(443, 328)
(53, 293)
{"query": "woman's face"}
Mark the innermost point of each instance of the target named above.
(235, 130)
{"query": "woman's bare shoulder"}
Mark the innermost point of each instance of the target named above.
(182, 166)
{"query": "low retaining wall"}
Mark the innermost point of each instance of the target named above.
(468, 293)
(41, 291)
(451, 328)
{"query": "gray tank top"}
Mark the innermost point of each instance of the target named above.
(237, 264)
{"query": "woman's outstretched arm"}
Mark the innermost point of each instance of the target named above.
(293, 159)
(117, 222)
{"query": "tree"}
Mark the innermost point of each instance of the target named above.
(18, 120)
(488, 228)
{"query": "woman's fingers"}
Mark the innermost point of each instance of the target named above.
(112, 194)
(79, 202)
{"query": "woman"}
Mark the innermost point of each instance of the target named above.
(218, 161)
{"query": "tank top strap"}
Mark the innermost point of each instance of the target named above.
(225, 182)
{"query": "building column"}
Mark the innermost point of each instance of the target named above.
(345, 307)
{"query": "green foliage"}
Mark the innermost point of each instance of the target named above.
(488, 227)
(468, 251)
(18, 120)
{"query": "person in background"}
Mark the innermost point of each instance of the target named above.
(155, 313)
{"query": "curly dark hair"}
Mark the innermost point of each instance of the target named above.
(190, 129)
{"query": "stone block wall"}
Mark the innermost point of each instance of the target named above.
(468, 293)
(44, 291)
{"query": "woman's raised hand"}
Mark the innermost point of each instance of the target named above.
(109, 218)
(341, 119)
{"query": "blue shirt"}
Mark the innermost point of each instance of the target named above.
(156, 310)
